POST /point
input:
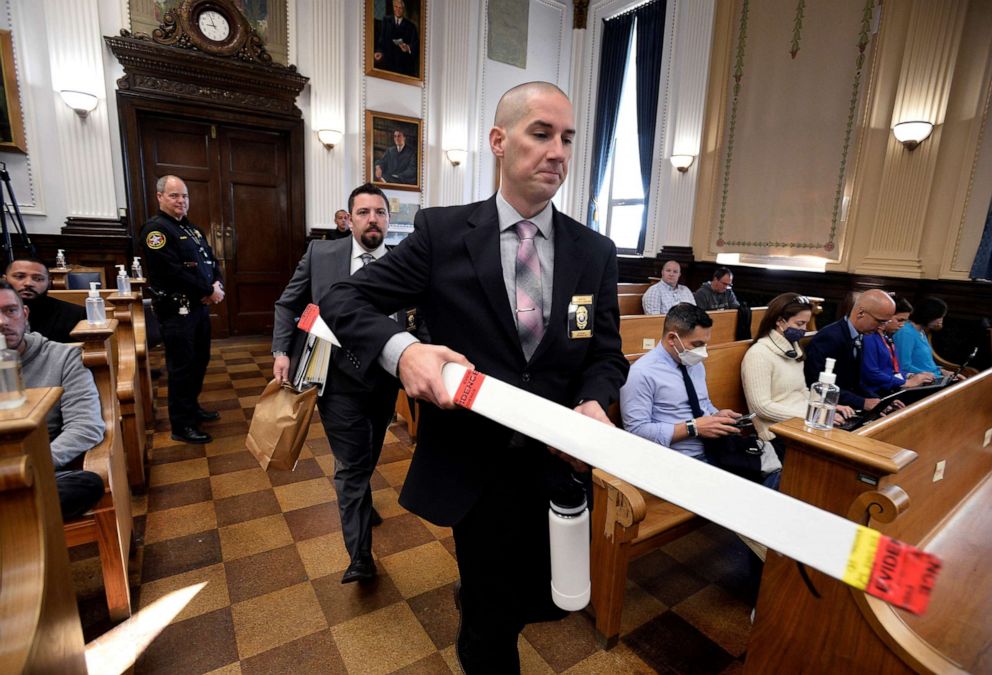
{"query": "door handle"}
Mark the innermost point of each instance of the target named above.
(229, 242)
(217, 235)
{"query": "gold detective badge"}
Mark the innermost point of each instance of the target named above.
(580, 312)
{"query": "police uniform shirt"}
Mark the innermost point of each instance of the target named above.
(178, 258)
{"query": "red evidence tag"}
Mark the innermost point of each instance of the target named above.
(469, 388)
(903, 575)
(310, 315)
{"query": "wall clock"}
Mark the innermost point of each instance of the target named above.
(214, 26)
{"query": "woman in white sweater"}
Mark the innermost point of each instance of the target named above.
(772, 370)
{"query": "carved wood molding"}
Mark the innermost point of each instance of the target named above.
(156, 70)
(580, 13)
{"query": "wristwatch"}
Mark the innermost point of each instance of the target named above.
(690, 427)
(278, 354)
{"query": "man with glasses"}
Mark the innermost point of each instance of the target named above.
(843, 341)
(717, 293)
(184, 280)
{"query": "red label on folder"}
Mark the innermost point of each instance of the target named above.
(903, 575)
(469, 388)
(310, 316)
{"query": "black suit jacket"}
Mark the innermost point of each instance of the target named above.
(325, 263)
(834, 341)
(450, 268)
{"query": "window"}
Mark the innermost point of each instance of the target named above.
(622, 194)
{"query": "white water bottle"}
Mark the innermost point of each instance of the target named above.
(823, 398)
(60, 259)
(136, 268)
(96, 311)
(123, 282)
(568, 525)
(11, 381)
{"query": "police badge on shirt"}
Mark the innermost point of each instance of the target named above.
(580, 313)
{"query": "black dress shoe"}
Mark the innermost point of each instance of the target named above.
(191, 435)
(376, 519)
(207, 415)
(360, 569)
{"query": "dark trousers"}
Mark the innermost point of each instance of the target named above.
(79, 491)
(356, 425)
(504, 560)
(187, 353)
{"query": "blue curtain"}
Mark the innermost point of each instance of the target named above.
(982, 267)
(650, 41)
(613, 58)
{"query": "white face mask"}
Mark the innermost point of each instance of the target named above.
(691, 357)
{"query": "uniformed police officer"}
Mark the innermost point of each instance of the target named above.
(184, 279)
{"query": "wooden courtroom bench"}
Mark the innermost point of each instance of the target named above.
(142, 347)
(130, 391)
(922, 475)
(633, 288)
(59, 276)
(628, 523)
(39, 618)
(109, 523)
(640, 333)
(630, 303)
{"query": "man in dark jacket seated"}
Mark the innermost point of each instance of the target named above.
(53, 318)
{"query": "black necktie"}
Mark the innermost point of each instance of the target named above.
(857, 346)
(690, 390)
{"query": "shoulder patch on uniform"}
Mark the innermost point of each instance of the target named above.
(155, 240)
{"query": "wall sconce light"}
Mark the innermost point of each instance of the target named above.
(329, 137)
(456, 156)
(682, 162)
(80, 101)
(911, 134)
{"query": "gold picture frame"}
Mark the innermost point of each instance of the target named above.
(387, 163)
(11, 122)
(389, 53)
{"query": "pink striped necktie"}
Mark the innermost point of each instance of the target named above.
(530, 304)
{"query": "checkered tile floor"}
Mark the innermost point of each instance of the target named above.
(269, 546)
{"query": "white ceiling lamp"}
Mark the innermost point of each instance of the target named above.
(911, 134)
(81, 102)
(329, 137)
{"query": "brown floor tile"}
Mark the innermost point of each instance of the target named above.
(180, 521)
(222, 446)
(276, 618)
(720, 616)
(319, 446)
(437, 614)
(399, 533)
(420, 569)
(394, 472)
(392, 633)
(620, 659)
(257, 383)
(530, 660)
(394, 452)
(175, 453)
(244, 507)
(669, 644)
(177, 472)
(305, 493)
(314, 653)
(245, 375)
(263, 573)
(431, 665)
(232, 461)
(182, 554)
(306, 469)
(209, 399)
(179, 494)
(212, 597)
(387, 503)
(228, 429)
(324, 555)
(254, 536)
(665, 578)
(343, 602)
(638, 606)
(314, 521)
(196, 645)
(449, 546)
(239, 483)
(563, 643)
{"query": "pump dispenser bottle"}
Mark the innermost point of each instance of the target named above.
(123, 283)
(823, 398)
(11, 382)
(60, 259)
(96, 312)
(136, 268)
(568, 523)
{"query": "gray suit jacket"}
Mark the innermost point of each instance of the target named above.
(324, 264)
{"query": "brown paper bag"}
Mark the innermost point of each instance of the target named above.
(279, 425)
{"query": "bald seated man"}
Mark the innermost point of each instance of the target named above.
(527, 295)
(842, 340)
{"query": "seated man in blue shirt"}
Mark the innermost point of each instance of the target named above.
(881, 372)
(655, 401)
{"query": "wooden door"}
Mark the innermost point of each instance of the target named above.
(238, 181)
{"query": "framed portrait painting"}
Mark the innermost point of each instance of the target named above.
(392, 151)
(11, 124)
(394, 39)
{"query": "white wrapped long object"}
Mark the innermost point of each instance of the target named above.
(857, 555)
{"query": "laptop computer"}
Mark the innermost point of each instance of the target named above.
(863, 417)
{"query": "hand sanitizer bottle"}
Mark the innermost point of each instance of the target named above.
(568, 523)
(60, 259)
(96, 312)
(11, 382)
(823, 397)
(123, 283)
(136, 268)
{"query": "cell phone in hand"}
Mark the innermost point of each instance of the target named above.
(744, 421)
